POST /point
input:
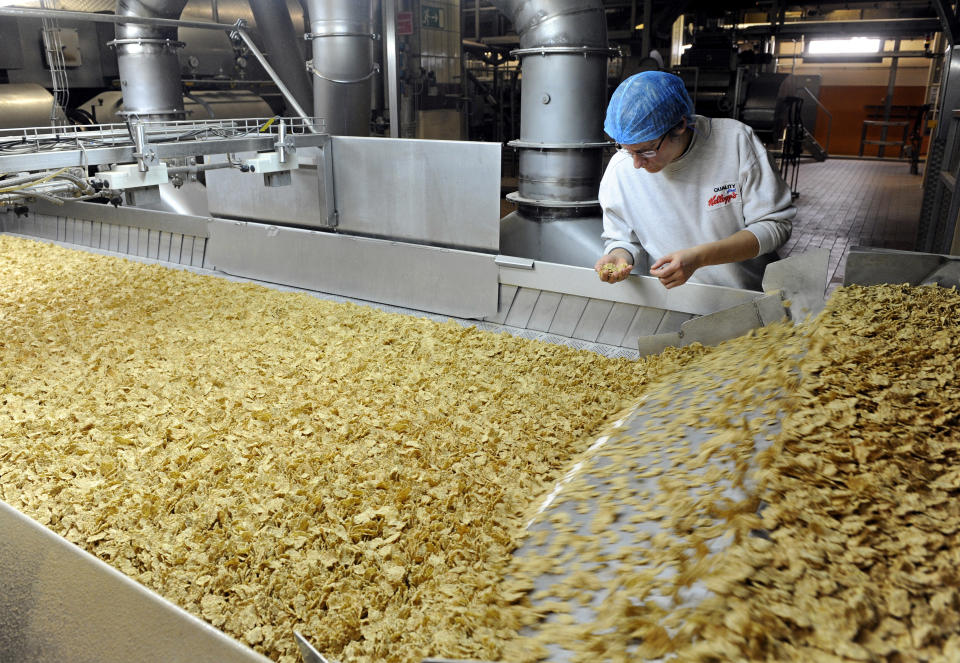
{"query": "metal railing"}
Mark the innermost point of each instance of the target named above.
(30, 140)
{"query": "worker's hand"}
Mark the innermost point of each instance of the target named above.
(613, 267)
(676, 268)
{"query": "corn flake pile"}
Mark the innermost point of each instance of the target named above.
(836, 539)
(272, 462)
(863, 494)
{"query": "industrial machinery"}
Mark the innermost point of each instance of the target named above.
(298, 196)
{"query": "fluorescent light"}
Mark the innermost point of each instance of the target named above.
(852, 46)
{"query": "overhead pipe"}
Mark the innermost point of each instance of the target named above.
(282, 50)
(563, 52)
(343, 64)
(148, 62)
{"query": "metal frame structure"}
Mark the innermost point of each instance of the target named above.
(40, 148)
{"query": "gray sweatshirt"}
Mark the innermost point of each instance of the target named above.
(723, 183)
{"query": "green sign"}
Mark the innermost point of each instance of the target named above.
(431, 17)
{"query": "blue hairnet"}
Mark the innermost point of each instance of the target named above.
(646, 106)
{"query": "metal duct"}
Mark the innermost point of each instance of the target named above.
(563, 51)
(147, 60)
(24, 105)
(343, 64)
(282, 50)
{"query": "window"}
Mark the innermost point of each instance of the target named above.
(852, 46)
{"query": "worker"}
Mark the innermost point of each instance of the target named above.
(698, 195)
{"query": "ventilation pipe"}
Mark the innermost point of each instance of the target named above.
(282, 50)
(343, 65)
(148, 62)
(563, 53)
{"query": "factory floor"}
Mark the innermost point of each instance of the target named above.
(848, 202)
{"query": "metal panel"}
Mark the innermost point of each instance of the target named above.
(153, 244)
(143, 238)
(128, 216)
(504, 302)
(723, 325)
(11, 55)
(568, 315)
(113, 244)
(60, 603)
(592, 321)
(544, 311)
(86, 233)
(237, 195)
(438, 191)
(523, 305)
(176, 247)
(657, 343)
(672, 321)
(869, 266)
(802, 279)
(646, 322)
(614, 329)
(694, 298)
(163, 247)
(426, 278)
(199, 250)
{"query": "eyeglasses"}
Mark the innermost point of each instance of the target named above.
(646, 154)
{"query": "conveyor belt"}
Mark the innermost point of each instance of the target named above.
(561, 319)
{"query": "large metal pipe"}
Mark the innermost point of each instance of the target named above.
(24, 105)
(282, 48)
(563, 51)
(147, 60)
(343, 64)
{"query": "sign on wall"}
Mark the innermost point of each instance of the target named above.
(404, 23)
(431, 17)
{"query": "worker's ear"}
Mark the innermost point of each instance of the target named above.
(677, 130)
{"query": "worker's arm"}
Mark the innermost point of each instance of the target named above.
(676, 268)
(621, 247)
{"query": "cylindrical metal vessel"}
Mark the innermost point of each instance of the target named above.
(564, 51)
(148, 62)
(343, 63)
(564, 95)
(549, 177)
(24, 105)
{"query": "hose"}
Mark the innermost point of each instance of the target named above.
(31, 182)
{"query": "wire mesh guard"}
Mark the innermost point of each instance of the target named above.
(33, 140)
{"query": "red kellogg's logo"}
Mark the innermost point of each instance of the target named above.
(722, 195)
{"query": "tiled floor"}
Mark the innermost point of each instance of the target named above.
(846, 203)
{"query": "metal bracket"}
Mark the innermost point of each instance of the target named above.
(313, 70)
(513, 262)
(145, 155)
(319, 35)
